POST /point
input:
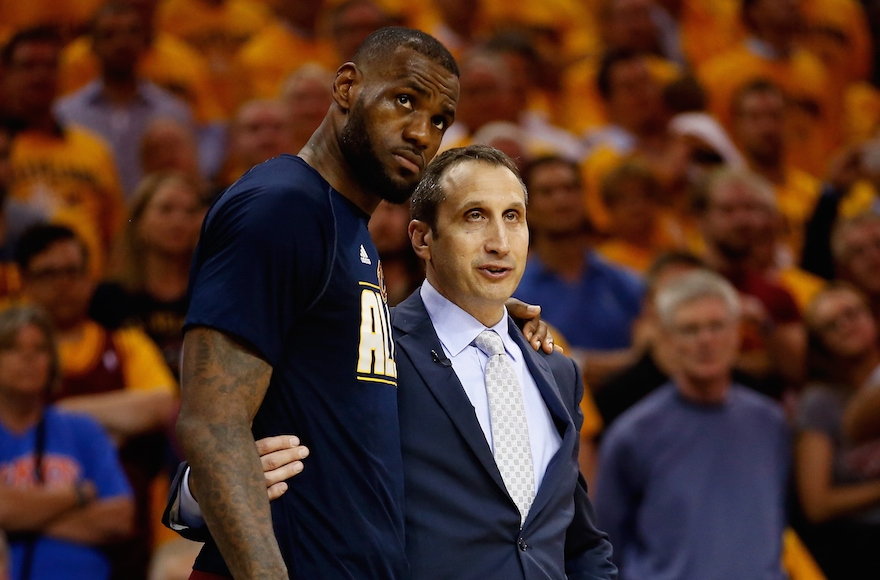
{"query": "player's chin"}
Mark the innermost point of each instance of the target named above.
(398, 189)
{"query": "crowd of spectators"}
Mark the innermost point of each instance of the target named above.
(704, 180)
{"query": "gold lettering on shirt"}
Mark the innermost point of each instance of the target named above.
(376, 346)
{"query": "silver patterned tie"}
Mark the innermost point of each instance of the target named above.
(510, 432)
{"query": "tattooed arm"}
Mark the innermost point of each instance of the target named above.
(223, 384)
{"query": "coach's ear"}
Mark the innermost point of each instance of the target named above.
(346, 85)
(421, 237)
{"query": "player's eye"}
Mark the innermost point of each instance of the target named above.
(439, 122)
(405, 101)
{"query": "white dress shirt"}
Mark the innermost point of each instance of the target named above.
(457, 331)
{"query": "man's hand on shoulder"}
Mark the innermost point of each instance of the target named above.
(536, 331)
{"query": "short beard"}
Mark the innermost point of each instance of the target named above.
(357, 148)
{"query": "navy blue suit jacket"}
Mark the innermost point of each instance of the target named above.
(460, 521)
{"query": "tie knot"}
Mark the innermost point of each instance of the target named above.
(490, 343)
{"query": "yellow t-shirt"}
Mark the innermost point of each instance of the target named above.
(622, 253)
(594, 168)
(852, 57)
(803, 78)
(576, 24)
(169, 63)
(592, 419)
(802, 285)
(70, 176)
(861, 112)
(71, 15)
(143, 368)
(217, 32)
(583, 106)
(797, 561)
(862, 197)
(272, 55)
(796, 199)
(709, 28)
(668, 236)
(10, 283)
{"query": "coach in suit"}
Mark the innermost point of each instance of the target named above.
(462, 519)
(489, 427)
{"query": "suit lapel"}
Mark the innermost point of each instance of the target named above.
(415, 336)
(544, 379)
(562, 420)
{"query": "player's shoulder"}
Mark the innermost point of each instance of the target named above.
(283, 174)
(282, 187)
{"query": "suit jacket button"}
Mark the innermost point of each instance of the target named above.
(522, 545)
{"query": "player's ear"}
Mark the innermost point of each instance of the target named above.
(421, 236)
(348, 77)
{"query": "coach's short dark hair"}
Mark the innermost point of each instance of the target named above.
(380, 45)
(429, 192)
(37, 34)
(36, 239)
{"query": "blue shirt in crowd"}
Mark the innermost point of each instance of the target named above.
(76, 449)
(595, 312)
(690, 491)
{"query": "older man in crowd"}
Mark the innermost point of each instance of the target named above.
(692, 479)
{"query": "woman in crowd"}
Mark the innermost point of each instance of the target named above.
(838, 480)
(151, 270)
(63, 493)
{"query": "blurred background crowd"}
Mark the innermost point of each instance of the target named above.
(656, 137)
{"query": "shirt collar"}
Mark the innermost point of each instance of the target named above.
(457, 329)
(94, 92)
